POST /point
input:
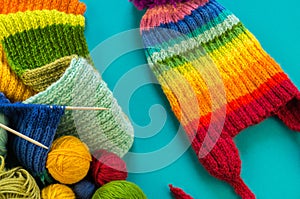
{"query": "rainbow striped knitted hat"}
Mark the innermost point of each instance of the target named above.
(81, 85)
(217, 78)
(38, 122)
(40, 50)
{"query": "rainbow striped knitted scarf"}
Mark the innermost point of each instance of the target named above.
(217, 78)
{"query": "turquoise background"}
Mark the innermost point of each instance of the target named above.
(269, 151)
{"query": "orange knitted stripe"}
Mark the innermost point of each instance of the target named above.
(10, 84)
(67, 6)
(199, 103)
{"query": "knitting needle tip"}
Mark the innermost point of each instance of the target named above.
(23, 136)
(75, 108)
(86, 108)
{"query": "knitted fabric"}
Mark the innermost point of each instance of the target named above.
(46, 36)
(67, 6)
(38, 122)
(3, 136)
(81, 85)
(206, 36)
(10, 83)
(179, 193)
(41, 78)
(14, 6)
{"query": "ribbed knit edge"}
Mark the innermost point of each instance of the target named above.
(81, 85)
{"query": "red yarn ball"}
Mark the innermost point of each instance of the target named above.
(107, 167)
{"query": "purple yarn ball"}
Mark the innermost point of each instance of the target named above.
(142, 4)
(84, 189)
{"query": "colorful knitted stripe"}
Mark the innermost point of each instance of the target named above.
(247, 62)
(46, 36)
(81, 85)
(184, 43)
(10, 84)
(41, 78)
(38, 122)
(67, 6)
(40, 81)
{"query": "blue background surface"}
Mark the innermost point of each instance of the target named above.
(269, 151)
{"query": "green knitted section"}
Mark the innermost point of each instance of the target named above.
(41, 78)
(38, 47)
(81, 85)
(225, 38)
(3, 136)
(197, 53)
(216, 27)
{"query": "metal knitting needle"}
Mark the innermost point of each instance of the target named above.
(22, 136)
(73, 108)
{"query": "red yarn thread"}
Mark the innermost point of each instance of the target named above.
(107, 167)
(179, 193)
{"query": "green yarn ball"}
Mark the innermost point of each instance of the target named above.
(119, 189)
(3, 136)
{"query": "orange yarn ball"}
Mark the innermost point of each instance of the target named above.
(68, 160)
(58, 191)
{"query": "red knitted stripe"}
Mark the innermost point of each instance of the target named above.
(249, 114)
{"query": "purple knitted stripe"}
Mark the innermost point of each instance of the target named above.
(142, 4)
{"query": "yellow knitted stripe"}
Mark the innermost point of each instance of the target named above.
(10, 84)
(242, 59)
(234, 57)
(182, 92)
(18, 22)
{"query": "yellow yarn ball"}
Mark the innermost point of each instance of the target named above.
(58, 191)
(68, 160)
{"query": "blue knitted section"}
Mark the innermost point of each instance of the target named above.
(199, 17)
(191, 25)
(38, 122)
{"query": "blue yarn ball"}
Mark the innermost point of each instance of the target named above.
(84, 189)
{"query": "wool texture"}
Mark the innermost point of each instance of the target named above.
(38, 122)
(58, 191)
(68, 160)
(40, 79)
(107, 167)
(17, 183)
(81, 85)
(218, 80)
(3, 136)
(47, 35)
(119, 189)
(84, 189)
(142, 4)
(10, 84)
(67, 6)
(179, 193)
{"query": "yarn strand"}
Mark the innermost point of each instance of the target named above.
(17, 183)
(179, 193)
